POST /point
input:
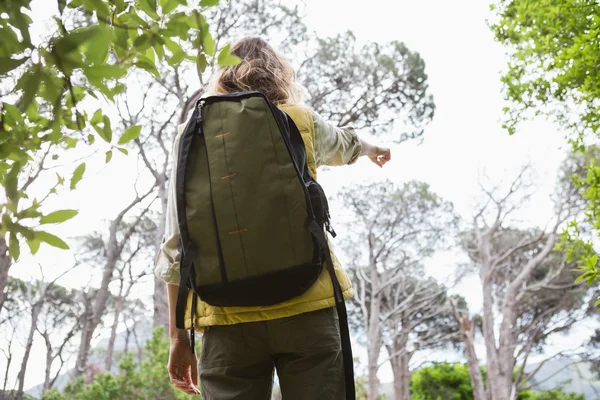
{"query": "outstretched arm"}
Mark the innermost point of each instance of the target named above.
(342, 146)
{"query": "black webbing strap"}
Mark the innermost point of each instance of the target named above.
(340, 306)
(193, 330)
(187, 260)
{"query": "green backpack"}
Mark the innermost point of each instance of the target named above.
(252, 220)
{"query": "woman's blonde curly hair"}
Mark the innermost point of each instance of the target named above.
(262, 69)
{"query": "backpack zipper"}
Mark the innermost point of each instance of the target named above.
(212, 202)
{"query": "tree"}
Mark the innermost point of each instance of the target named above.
(369, 87)
(46, 308)
(466, 327)
(558, 394)
(146, 380)
(446, 381)
(442, 381)
(116, 251)
(84, 56)
(394, 229)
(527, 288)
(420, 319)
(59, 322)
(553, 71)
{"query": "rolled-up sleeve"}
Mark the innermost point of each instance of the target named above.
(335, 145)
(168, 257)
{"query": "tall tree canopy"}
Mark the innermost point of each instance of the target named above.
(553, 71)
(85, 55)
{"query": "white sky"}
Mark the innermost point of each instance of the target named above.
(464, 140)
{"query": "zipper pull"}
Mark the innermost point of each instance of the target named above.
(330, 229)
(199, 116)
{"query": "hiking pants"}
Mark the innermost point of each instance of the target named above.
(238, 361)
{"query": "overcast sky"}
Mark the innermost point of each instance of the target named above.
(464, 141)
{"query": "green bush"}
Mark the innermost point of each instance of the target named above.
(446, 381)
(147, 381)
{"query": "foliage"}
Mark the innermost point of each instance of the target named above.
(11, 394)
(557, 394)
(445, 381)
(371, 86)
(86, 55)
(442, 381)
(553, 70)
(149, 380)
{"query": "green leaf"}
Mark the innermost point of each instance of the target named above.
(173, 47)
(51, 240)
(122, 150)
(11, 181)
(208, 3)
(105, 72)
(106, 131)
(592, 261)
(97, 48)
(77, 175)
(97, 5)
(71, 142)
(130, 134)
(109, 155)
(176, 59)
(59, 216)
(34, 245)
(209, 44)
(14, 113)
(585, 276)
(159, 50)
(168, 5)
(97, 117)
(146, 64)
(149, 7)
(225, 58)
(14, 248)
(29, 83)
(91, 138)
(8, 64)
(201, 63)
(75, 3)
(72, 40)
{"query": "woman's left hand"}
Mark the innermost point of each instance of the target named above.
(183, 367)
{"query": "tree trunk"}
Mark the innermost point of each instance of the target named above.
(113, 334)
(466, 329)
(494, 384)
(35, 312)
(9, 358)
(374, 338)
(401, 372)
(98, 305)
(5, 264)
(127, 336)
(49, 360)
(161, 308)
(373, 350)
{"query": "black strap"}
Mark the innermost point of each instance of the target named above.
(193, 330)
(187, 250)
(187, 260)
(340, 306)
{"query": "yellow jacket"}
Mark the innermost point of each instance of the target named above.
(325, 145)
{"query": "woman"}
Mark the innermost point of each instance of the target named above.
(242, 347)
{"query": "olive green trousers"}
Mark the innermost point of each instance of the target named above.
(238, 361)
